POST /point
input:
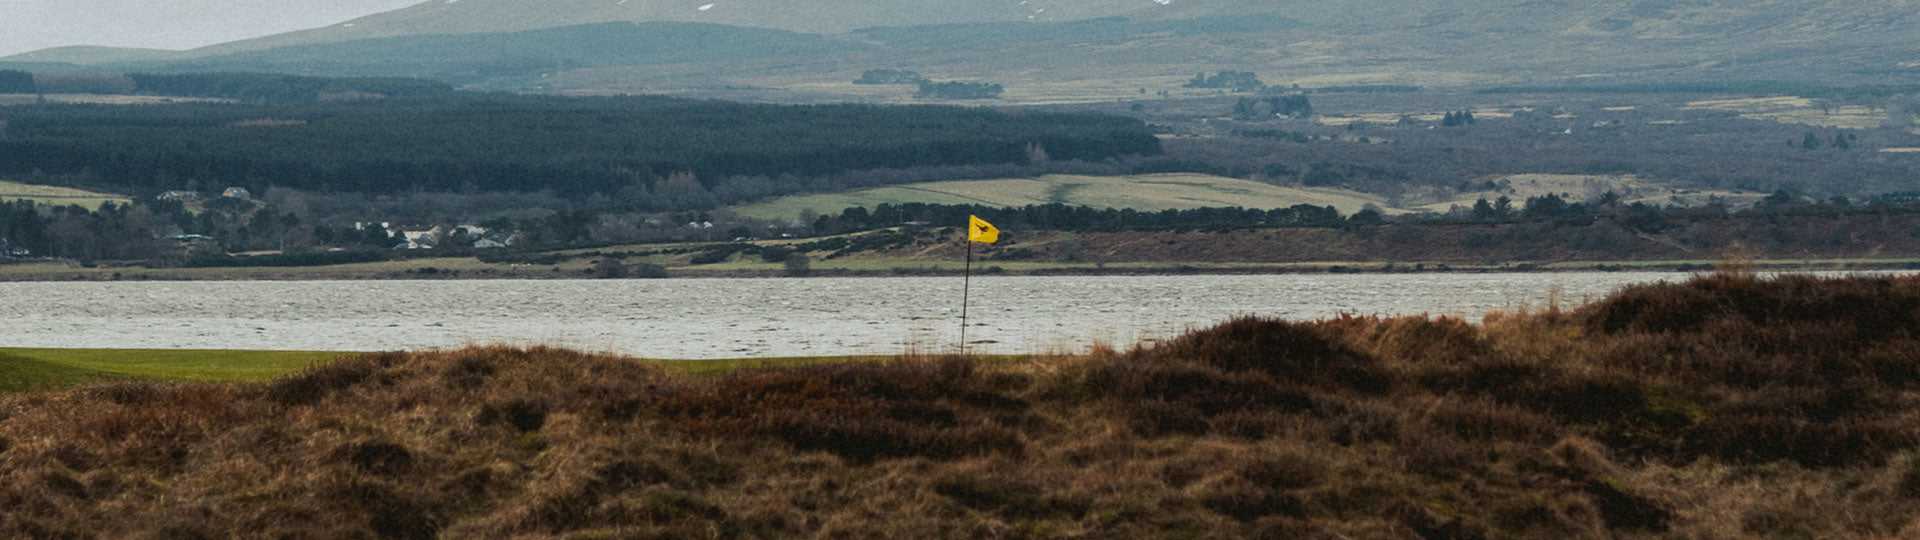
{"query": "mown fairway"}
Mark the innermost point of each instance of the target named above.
(1153, 192)
(29, 370)
(44, 369)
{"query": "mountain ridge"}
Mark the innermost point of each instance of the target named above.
(1434, 43)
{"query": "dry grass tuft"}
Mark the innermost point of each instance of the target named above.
(1728, 406)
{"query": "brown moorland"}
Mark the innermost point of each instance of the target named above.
(1727, 406)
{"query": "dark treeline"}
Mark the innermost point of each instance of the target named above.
(1637, 216)
(1363, 89)
(17, 82)
(1238, 81)
(1291, 106)
(160, 230)
(485, 143)
(266, 88)
(276, 88)
(890, 76)
(958, 90)
(1056, 216)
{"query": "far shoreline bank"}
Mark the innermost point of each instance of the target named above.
(44, 272)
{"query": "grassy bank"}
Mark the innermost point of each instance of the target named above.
(1727, 406)
(40, 369)
(32, 370)
(432, 269)
(1836, 242)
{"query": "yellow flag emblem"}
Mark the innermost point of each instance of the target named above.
(981, 231)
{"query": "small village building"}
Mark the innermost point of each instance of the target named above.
(180, 196)
(7, 250)
(488, 243)
(237, 193)
(191, 245)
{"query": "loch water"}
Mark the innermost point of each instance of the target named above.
(741, 318)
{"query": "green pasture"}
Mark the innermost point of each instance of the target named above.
(1150, 193)
(42, 369)
(58, 196)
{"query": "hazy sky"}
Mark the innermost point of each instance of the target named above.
(27, 25)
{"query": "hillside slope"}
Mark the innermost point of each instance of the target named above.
(812, 16)
(1430, 43)
(465, 58)
(1753, 20)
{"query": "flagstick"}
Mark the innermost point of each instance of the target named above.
(965, 288)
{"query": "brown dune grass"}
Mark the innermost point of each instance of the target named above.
(1728, 406)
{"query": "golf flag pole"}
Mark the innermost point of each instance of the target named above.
(978, 230)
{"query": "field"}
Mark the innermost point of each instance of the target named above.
(53, 195)
(40, 369)
(93, 99)
(1576, 188)
(1705, 409)
(1152, 192)
(1796, 110)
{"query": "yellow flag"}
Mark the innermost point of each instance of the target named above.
(981, 231)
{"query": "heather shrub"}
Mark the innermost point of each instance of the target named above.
(1729, 406)
(939, 408)
(1293, 352)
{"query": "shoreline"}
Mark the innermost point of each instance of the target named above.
(46, 272)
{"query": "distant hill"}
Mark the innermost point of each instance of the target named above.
(85, 55)
(477, 57)
(990, 34)
(1131, 45)
(1643, 19)
(811, 16)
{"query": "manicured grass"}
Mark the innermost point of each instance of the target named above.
(33, 369)
(1152, 193)
(26, 370)
(22, 374)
